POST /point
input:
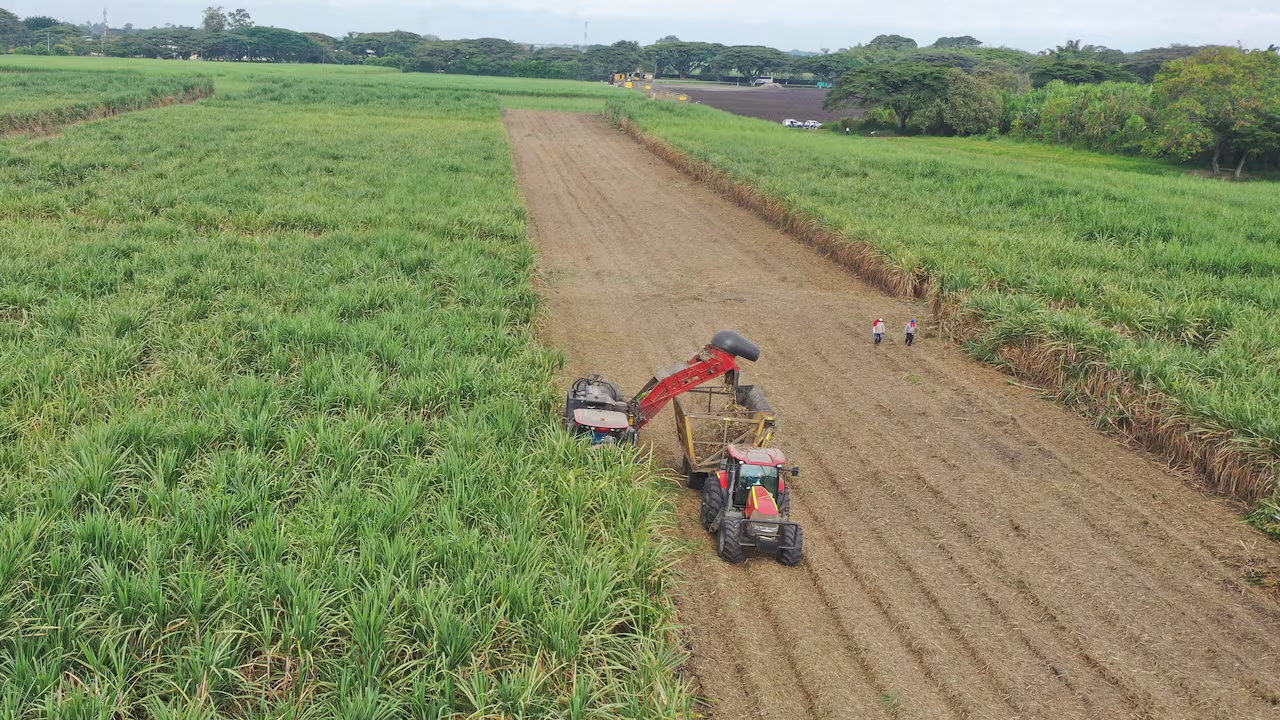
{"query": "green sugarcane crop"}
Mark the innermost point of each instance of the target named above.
(276, 438)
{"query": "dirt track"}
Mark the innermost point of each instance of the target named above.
(973, 551)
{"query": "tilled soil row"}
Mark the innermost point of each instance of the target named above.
(972, 551)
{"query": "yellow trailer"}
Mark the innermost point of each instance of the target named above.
(710, 419)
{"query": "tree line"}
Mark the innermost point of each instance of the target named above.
(232, 35)
(1222, 103)
(1177, 100)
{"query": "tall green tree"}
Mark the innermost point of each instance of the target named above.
(750, 60)
(1222, 100)
(904, 87)
(134, 45)
(892, 42)
(960, 59)
(396, 42)
(1002, 76)
(659, 56)
(70, 37)
(1077, 49)
(12, 31)
(970, 105)
(169, 42)
(40, 22)
(1146, 63)
(214, 20)
(238, 20)
(279, 44)
(956, 43)
(824, 67)
(432, 56)
(1076, 70)
(602, 61)
(485, 56)
(685, 58)
(328, 41)
(557, 63)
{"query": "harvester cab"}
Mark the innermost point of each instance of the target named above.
(595, 407)
(750, 507)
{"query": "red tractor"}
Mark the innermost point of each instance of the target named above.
(750, 507)
(595, 407)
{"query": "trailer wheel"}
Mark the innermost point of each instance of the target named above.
(793, 537)
(730, 540)
(712, 503)
(693, 479)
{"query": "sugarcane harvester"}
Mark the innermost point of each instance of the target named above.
(595, 407)
(745, 501)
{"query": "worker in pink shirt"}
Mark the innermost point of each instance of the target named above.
(911, 332)
(877, 329)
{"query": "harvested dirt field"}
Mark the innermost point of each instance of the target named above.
(776, 102)
(972, 551)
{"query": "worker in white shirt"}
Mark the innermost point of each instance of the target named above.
(911, 332)
(877, 329)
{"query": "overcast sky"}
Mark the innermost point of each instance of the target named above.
(1027, 24)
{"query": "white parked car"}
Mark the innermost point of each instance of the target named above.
(812, 125)
(792, 123)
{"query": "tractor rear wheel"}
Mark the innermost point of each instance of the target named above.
(792, 537)
(730, 540)
(615, 390)
(712, 503)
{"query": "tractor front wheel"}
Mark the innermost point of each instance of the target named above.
(793, 538)
(712, 503)
(730, 540)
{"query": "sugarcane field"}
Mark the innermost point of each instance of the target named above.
(383, 376)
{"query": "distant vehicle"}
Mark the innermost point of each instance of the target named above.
(812, 125)
(762, 81)
(792, 123)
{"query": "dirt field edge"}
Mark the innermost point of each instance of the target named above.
(1216, 460)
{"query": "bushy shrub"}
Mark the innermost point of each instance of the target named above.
(390, 61)
(1111, 116)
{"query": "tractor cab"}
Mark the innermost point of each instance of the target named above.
(595, 409)
(750, 508)
(748, 468)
